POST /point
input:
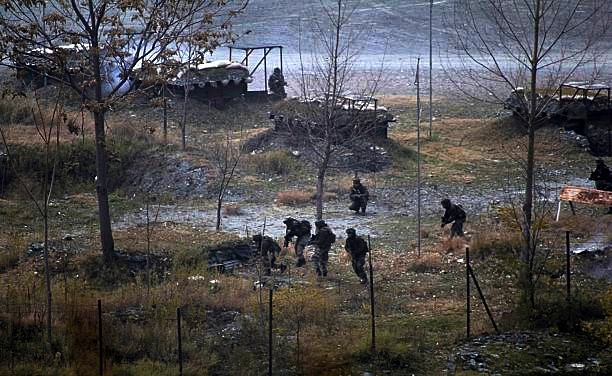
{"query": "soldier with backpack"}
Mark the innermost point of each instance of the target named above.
(301, 231)
(454, 214)
(322, 240)
(357, 247)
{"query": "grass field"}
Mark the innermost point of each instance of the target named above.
(320, 327)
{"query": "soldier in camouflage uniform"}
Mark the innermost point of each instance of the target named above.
(322, 240)
(359, 197)
(277, 83)
(268, 249)
(453, 214)
(357, 247)
(301, 231)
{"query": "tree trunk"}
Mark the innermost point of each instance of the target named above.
(219, 204)
(319, 198)
(529, 173)
(321, 180)
(106, 234)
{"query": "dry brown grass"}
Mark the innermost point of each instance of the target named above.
(232, 209)
(300, 198)
(294, 198)
(454, 245)
(428, 262)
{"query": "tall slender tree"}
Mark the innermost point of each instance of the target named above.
(329, 48)
(507, 46)
(47, 123)
(225, 153)
(100, 47)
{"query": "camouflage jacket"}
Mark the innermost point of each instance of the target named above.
(359, 192)
(324, 238)
(356, 246)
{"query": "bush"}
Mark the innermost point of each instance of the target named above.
(601, 329)
(277, 162)
(232, 209)
(488, 244)
(15, 110)
(76, 164)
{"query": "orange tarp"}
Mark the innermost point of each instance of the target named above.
(586, 195)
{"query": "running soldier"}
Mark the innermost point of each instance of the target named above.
(322, 240)
(301, 231)
(357, 248)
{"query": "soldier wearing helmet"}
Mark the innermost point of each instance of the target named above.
(301, 231)
(357, 247)
(453, 214)
(322, 241)
(359, 197)
(277, 83)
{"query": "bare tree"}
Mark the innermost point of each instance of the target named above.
(512, 46)
(225, 153)
(99, 47)
(47, 127)
(331, 118)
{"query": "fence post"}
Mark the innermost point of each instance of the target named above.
(467, 280)
(180, 342)
(101, 353)
(567, 263)
(270, 331)
(372, 296)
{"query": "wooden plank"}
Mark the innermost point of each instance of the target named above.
(586, 195)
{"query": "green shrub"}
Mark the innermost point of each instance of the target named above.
(277, 162)
(13, 110)
(601, 329)
(76, 164)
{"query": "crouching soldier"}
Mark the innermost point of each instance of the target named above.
(322, 240)
(453, 214)
(301, 231)
(268, 249)
(359, 197)
(603, 178)
(357, 248)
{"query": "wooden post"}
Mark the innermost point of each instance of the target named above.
(467, 281)
(567, 264)
(373, 346)
(270, 331)
(100, 351)
(180, 342)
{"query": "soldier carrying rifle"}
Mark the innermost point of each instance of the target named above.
(359, 197)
